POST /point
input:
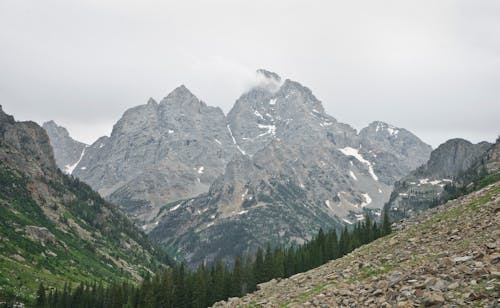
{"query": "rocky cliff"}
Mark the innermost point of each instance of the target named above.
(431, 183)
(67, 151)
(159, 153)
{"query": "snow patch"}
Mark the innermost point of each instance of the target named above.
(216, 140)
(101, 145)
(353, 175)
(68, 169)
(258, 114)
(175, 207)
(348, 151)
(347, 221)
(242, 212)
(170, 131)
(380, 190)
(327, 202)
(367, 201)
(200, 170)
(83, 168)
(234, 140)
(271, 129)
(243, 195)
(393, 131)
(272, 101)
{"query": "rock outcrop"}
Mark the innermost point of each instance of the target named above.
(428, 185)
(67, 151)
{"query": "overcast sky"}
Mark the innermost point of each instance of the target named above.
(432, 67)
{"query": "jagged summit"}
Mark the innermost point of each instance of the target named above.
(269, 74)
(383, 127)
(182, 97)
(151, 102)
(67, 151)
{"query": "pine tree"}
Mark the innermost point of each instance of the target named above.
(259, 266)
(386, 224)
(41, 300)
(237, 277)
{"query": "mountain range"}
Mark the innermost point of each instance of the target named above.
(275, 169)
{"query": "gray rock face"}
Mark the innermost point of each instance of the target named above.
(276, 169)
(158, 153)
(67, 151)
(31, 141)
(298, 169)
(394, 151)
(425, 187)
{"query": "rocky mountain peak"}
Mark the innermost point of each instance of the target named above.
(51, 125)
(453, 157)
(450, 163)
(151, 102)
(383, 128)
(67, 151)
(269, 75)
(5, 119)
(181, 97)
(26, 138)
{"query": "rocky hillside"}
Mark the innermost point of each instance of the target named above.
(55, 229)
(67, 151)
(434, 182)
(296, 169)
(276, 169)
(448, 255)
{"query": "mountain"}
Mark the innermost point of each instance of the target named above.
(275, 169)
(158, 153)
(430, 184)
(445, 257)
(54, 228)
(67, 151)
(296, 169)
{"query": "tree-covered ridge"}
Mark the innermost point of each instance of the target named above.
(180, 287)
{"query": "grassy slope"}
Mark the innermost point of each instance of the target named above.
(107, 235)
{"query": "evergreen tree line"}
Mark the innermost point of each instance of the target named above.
(179, 287)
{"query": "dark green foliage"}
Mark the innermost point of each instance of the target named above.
(179, 287)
